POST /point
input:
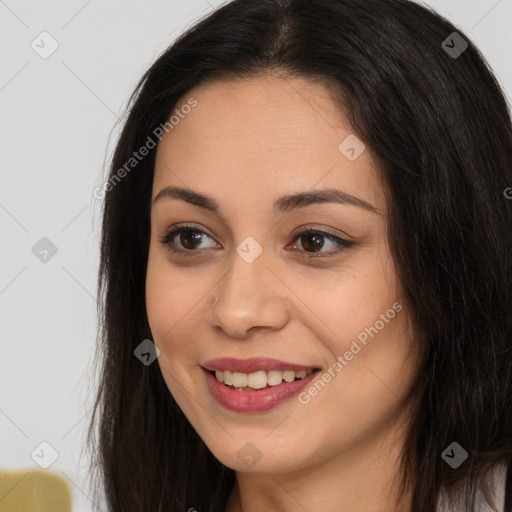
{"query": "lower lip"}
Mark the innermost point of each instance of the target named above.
(257, 400)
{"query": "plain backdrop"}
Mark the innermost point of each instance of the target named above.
(57, 116)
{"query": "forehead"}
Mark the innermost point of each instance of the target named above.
(262, 137)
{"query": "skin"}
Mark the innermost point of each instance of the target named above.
(246, 143)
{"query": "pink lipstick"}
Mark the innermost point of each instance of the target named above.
(266, 383)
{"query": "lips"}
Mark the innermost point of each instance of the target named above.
(255, 401)
(244, 400)
(255, 364)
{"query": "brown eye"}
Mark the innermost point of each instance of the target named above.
(312, 244)
(190, 238)
(186, 240)
(312, 241)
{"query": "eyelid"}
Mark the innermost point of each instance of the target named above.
(342, 243)
(173, 231)
(320, 229)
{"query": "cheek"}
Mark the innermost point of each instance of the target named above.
(169, 294)
(361, 319)
(165, 303)
(362, 392)
(160, 298)
(174, 305)
(346, 302)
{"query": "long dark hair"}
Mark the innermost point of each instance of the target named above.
(436, 121)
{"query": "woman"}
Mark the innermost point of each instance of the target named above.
(305, 268)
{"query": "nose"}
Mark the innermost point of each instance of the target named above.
(250, 296)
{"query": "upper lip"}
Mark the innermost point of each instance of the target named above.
(255, 364)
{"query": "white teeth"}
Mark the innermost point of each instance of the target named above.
(259, 380)
(274, 378)
(239, 380)
(289, 376)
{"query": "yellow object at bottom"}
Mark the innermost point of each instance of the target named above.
(33, 491)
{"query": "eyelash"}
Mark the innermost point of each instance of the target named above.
(167, 241)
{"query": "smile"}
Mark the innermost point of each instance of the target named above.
(255, 385)
(258, 380)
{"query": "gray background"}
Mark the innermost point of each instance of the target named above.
(59, 123)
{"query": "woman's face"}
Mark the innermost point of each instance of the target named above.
(244, 281)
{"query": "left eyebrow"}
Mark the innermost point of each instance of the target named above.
(281, 205)
(329, 195)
